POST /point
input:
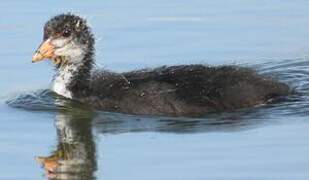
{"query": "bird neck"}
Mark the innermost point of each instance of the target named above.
(72, 79)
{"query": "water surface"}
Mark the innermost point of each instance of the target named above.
(266, 142)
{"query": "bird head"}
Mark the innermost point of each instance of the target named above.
(67, 39)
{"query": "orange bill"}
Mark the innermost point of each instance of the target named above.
(45, 51)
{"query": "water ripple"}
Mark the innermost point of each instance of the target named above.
(42, 100)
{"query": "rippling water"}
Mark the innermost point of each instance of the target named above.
(76, 125)
(265, 142)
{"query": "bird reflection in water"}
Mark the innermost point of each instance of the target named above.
(74, 157)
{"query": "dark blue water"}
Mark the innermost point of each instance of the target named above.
(265, 142)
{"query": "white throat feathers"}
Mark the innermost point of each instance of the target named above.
(64, 77)
(70, 67)
(62, 80)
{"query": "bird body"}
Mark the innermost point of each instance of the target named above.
(183, 90)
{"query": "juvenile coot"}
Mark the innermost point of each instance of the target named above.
(184, 90)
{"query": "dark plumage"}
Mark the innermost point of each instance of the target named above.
(185, 90)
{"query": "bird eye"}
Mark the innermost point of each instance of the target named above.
(66, 33)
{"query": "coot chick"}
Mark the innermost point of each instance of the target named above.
(184, 90)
